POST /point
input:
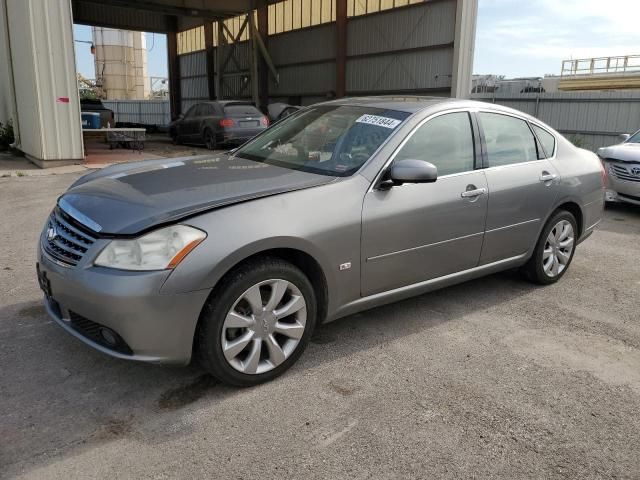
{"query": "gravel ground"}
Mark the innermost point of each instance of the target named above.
(492, 378)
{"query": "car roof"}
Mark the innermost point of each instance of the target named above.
(227, 102)
(402, 103)
(413, 104)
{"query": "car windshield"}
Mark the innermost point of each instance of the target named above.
(333, 140)
(635, 138)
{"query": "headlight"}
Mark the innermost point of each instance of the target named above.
(159, 250)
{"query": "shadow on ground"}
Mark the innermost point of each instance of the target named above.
(59, 395)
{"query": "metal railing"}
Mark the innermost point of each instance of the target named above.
(601, 66)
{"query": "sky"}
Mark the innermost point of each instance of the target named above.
(516, 38)
(532, 37)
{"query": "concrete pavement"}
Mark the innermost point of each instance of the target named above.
(493, 378)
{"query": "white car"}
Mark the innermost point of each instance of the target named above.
(622, 163)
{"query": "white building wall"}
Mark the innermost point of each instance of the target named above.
(466, 15)
(7, 94)
(44, 77)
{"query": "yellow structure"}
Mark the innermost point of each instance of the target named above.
(607, 73)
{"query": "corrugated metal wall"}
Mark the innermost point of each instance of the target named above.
(596, 118)
(193, 79)
(308, 70)
(408, 49)
(413, 48)
(146, 112)
(236, 81)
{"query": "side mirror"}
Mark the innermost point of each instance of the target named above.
(624, 137)
(410, 171)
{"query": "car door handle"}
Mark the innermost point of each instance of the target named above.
(547, 177)
(473, 193)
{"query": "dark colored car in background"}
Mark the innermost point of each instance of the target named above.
(107, 118)
(218, 122)
(278, 111)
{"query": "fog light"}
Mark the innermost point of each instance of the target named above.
(108, 336)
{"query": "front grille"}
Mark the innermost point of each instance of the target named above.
(65, 242)
(625, 172)
(629, 197)
(93, 331)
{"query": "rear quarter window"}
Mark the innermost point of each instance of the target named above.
(547, 140)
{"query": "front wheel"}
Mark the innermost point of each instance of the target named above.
(257, 322)
(554, 250)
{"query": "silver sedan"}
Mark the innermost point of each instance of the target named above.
(622, 162)
(235, 258)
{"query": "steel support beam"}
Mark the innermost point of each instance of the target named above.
(218, 87)
(211, 71)
(263, 42)
(175, 97)
(341, 48)
(253, 59)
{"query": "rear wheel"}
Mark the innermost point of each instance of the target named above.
(257, 323)
(554, 250)
(209, 138)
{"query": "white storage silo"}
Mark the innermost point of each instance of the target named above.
(121, 64)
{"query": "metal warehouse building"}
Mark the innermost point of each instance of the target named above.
(297, 51)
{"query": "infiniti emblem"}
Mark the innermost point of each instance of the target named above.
(52, 233)
(636, 171)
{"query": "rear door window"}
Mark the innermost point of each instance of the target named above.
(509, 139)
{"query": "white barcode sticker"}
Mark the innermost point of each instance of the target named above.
(379, 121)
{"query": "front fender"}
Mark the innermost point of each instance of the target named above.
(323, 222)
(205, 269)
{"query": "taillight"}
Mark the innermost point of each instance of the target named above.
(603, 173)
(264, 121)
(227, 122)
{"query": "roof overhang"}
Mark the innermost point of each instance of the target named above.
(160, 16)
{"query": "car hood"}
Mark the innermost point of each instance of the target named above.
(625, 152)
(127, 199)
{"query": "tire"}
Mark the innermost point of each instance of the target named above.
(546, 264)
(228, 304)
(209, 138)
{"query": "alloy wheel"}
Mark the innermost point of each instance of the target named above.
(264, 326)
(558, 248)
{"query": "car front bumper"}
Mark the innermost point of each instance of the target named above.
(97, 304)
(615, 196)
(623, 183)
